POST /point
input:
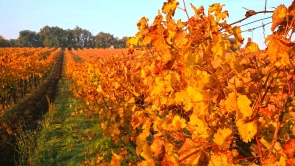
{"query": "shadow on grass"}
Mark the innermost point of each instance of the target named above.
(64, 138)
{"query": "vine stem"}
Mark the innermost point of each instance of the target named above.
(125, 87)
(194, 152)
(184, 9)
(275, 136)
(259, 148)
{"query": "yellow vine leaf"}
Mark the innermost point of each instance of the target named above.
(219, 160)
(237, 33)
(222, 15)
(264, 142)
(180, 96)
(194, 159)
(171, 26)
(188, 97)
(180, 24)
(187, 148)
(247, 131)
(281, 162)
(187, 105)
(191, 59)
(146, 163)
(158, 19)
(216, 63)
(143, 147)
(113, 129)
(171, 156)
(194, 95)
(166, 56)
(244, 106)
(235, 82)
(203, 78)
(285, 60)
(143, 74)
(170, 7)
(197, 12)
(200, 128)
(251, 46)
(117, 85)
(142, 23)
(133, 41)
(99, 89)
(231, 102)
(180, 39)
(221, 135)
(147, 40)
(174, 78)
(273, 48)
(215, 8)
(178, 122)
(158, 89)
(279, 15)
(194, 120)
(158, 147)
(170, 36)
(200, 108)
(116, 159)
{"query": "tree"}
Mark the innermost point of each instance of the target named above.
(13, 43)
(104, 40)
(53, 36)
(87, 39)
(77, 36)
(45, 35)
(4, 42)
(121, 43)
(29, 38)
(69, 38)
(70, 41)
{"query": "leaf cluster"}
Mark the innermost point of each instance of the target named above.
(189, 99)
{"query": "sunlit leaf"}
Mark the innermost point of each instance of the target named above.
(237, 33)
(116, 159)
(221, 135)
(244, 105)
(278, 16)
(178, 122)
(251, 46)
(142, 147)
(247, 131)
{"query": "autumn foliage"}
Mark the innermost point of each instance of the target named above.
(188, 99)
(22, 68)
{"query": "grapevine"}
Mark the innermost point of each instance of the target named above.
(22, 68)
(188, 99)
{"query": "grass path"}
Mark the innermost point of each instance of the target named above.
(67, 139)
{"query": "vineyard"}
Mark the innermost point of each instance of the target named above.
(22, 69)
(188, 96)
(28, 78)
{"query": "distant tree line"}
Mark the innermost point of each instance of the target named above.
(69, 38)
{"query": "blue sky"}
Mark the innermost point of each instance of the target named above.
(117, 17)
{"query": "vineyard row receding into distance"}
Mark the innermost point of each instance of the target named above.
(188, 96)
